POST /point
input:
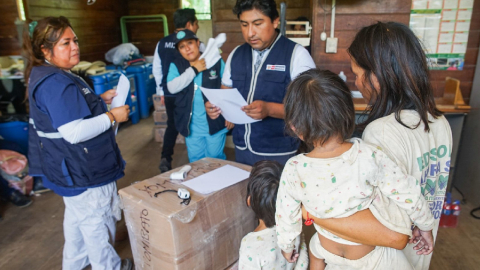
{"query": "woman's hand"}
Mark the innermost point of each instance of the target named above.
(212, 111)
(229, 125)
(109, 95)
(199, 65)
(121, 113)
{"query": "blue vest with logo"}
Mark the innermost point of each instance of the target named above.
(167, 52)
(266, 137)
(184, 98)
(90, 163)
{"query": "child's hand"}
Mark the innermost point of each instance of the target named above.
(423, 240)
(200, 65)
(291, 256)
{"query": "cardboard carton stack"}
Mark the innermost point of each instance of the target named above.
(160, 121)
(205, 234)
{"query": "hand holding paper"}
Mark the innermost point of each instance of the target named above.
(123, 89)
(230, 102)
(212, 53)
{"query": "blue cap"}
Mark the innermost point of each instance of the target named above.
(184, 35)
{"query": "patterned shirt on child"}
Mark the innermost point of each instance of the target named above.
(341, 186)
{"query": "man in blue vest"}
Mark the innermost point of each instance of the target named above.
(261, 70)
(166, 53)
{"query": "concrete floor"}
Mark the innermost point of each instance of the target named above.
(32, 237)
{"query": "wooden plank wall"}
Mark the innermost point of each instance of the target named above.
(352, 15)
(146, 35)
(97, 26)
(224, 21)
(9, 42)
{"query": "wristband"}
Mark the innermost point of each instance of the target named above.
(113, 116)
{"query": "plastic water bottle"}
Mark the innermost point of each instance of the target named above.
(453, 220)
(342, 76)
(446, 213)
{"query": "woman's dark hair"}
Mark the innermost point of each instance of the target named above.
(393, 53)
(319, 106)
(182, 16)
(267, 7)
(262, 189)
(45, 35)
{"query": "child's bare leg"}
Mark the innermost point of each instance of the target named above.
(316, 263)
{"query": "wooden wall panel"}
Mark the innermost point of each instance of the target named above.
(224, 21)
(9, 42)
(97, 26)
(352, 15)
(146, 35)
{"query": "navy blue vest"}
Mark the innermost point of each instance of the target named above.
(184, 98)
(267, 136)
(91, 163)
(167, 52)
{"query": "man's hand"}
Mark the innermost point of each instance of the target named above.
(212, 111)
(229, 125)
(257, 110)
(162, 100)
(423, 240)
(291, 257)
(109, 95)
(199, 65)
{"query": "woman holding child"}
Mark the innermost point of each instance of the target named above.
(392, 74)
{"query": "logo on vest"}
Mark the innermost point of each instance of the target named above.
(213, 75)
(86, 91)
(276, 67)
(170, 45)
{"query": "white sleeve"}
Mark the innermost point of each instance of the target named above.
(302, 61)
(403, 190)
(288, 214)
(157, 71)
(227, 72)
(179, 83)
(85, 129)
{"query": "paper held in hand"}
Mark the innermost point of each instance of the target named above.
(230, 101)
(123, 89)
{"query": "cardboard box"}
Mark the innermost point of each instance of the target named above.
(205, 234)
(158, 134)
(157, 103)
(160, 118)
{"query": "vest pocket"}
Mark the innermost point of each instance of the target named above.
(238, 81)
(99, 156)
(66, 173)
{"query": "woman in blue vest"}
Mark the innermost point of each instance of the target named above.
(204, 137)
(72, 144)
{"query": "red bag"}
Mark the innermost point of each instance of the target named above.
(14, 168)
(12, 163)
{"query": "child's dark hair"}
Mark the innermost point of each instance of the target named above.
(267, 7)
(393, 53)
(319, 106)
(262, 189)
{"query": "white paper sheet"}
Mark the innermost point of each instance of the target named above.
(230, 101)
(217, 179)
(123, 89)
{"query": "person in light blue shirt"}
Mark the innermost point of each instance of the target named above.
(204, 137)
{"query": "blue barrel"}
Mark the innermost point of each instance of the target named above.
(100, 82)
(16, 132)
(144, 87)
(132, 101)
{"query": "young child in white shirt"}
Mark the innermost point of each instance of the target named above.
(259, 249)
(340, 177)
